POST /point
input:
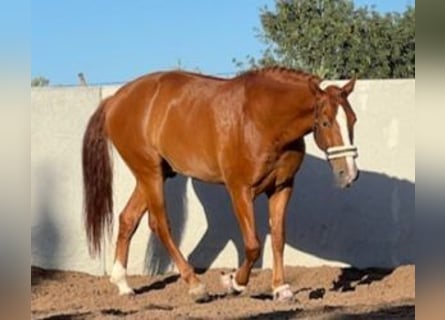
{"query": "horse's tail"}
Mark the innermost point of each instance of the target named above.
(97, 180)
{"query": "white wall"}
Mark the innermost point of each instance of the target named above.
(371, 224)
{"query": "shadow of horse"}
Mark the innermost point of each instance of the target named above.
(45, 236)
(368, 225)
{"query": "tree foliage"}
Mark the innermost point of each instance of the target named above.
(39, 82)
(333, 38)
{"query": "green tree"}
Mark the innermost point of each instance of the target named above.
(39, 82)
(335, 39)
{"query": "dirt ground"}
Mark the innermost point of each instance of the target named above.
(321, 293)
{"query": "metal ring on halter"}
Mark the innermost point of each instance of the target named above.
(341, 151)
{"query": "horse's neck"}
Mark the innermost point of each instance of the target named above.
(288, 112)
(297, 128)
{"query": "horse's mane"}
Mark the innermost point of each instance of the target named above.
(282, 74)
(277, 73)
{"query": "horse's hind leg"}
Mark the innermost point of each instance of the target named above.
(128, 221)
(158, 222)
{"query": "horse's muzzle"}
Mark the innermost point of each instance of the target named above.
(342, 159)
(345, 179)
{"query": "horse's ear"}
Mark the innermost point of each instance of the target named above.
(347, 88)
(314, 87)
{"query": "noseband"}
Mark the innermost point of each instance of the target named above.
(341, 151)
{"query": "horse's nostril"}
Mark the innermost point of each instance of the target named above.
(341, 173)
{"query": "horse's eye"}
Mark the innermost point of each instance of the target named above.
(325, 124)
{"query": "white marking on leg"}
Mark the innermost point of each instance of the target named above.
(118, 277)
(283, 293)
(343, 124)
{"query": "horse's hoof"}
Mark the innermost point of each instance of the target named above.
(126, 292)
(283, 293)
(229, 283)
(121, 284)
(199, 293)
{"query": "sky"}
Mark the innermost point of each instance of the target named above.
(116, 41)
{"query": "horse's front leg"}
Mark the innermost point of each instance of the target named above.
(278, 200)
(242, 200)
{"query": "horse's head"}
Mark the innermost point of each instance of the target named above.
(334, 130)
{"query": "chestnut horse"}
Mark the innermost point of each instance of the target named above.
(245, 132)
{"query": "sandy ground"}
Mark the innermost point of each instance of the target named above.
(321, 293)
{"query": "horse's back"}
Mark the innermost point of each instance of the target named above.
(176, 115)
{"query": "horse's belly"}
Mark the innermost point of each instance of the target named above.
(193, 165)
(191, 153)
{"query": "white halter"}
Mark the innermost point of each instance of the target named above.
(341, 151)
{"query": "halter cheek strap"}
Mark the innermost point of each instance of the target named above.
(341, 151)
